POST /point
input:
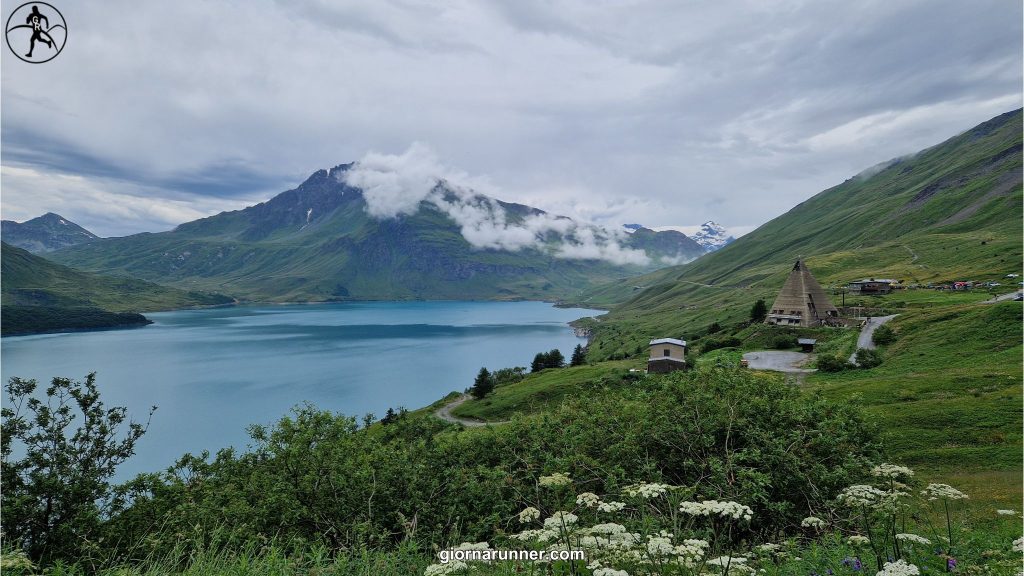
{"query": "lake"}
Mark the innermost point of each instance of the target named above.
(214, 372)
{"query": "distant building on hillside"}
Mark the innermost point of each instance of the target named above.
(802, 302)
(667, 355)
(806, 344)
(872, 286)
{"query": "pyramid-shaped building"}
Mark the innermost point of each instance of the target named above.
(802, 302)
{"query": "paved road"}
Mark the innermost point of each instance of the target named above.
(864, 340)
(778, 361)
(1002, 298)
(445, 413)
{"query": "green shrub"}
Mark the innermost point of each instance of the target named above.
(830, 363)
(783, 342)
(320, 478)
(710, 344)
(867, 358)
(883, 335)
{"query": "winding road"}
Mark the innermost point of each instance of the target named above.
(445, 413)
(864, 340)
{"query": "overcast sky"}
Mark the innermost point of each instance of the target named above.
(666, 113)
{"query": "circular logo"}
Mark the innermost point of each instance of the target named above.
(36, 32)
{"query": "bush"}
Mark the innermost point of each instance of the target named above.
(710, 344)
(830, 363)
(783, 342)
(316, 477)
(54, 495)
(883, 335)
(508, 375)
(868, 358)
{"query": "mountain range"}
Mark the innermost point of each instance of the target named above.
(319, 242)
(44, 233)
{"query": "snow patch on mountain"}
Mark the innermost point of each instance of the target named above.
(712, 236)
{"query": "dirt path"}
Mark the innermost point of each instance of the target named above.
(864, 340)
(445, 413)
(778, 361)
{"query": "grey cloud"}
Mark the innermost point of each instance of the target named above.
(651, 111)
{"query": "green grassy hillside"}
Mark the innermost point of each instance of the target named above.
(951, 212)
(41, 296)
(30, 280)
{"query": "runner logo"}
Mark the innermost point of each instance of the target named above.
(36, 32)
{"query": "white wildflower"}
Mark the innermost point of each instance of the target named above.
(529, 515)
(610, 572)
(861, 495)
(473, 546)
(445, 569)
(691, 549)
(943, 491)
(541, 535)
(732, 510)
(767, 549)
(556, 479)
(891, 471)
(727, 561)
(858, 540)
(812, 522)
(660, 546)
(913, 538)
(898, 568)
(1006, 512)
(607, 528)
(561, 519)
(588, 499)
(1018, 544)
(610, 506)
(649, 490)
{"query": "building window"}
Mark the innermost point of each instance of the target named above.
(667, 352)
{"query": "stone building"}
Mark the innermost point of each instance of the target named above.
(667, 355)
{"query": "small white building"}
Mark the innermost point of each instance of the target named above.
(667, 355)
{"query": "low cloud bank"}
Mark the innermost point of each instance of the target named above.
(396, 185)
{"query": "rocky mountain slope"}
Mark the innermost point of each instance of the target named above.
(319, 242)
(44, 233)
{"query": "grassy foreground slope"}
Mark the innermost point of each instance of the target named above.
(950, 212)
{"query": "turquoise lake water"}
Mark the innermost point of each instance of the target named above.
(213, 372)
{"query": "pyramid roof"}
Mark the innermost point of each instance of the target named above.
(801, 299)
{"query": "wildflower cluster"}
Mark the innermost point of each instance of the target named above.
(891, 471)
(812, 522)
(898, 568)
(943, 492)
(731, 510)
(913, 539)
(556, 479)
(662, 532)
(650, 490)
